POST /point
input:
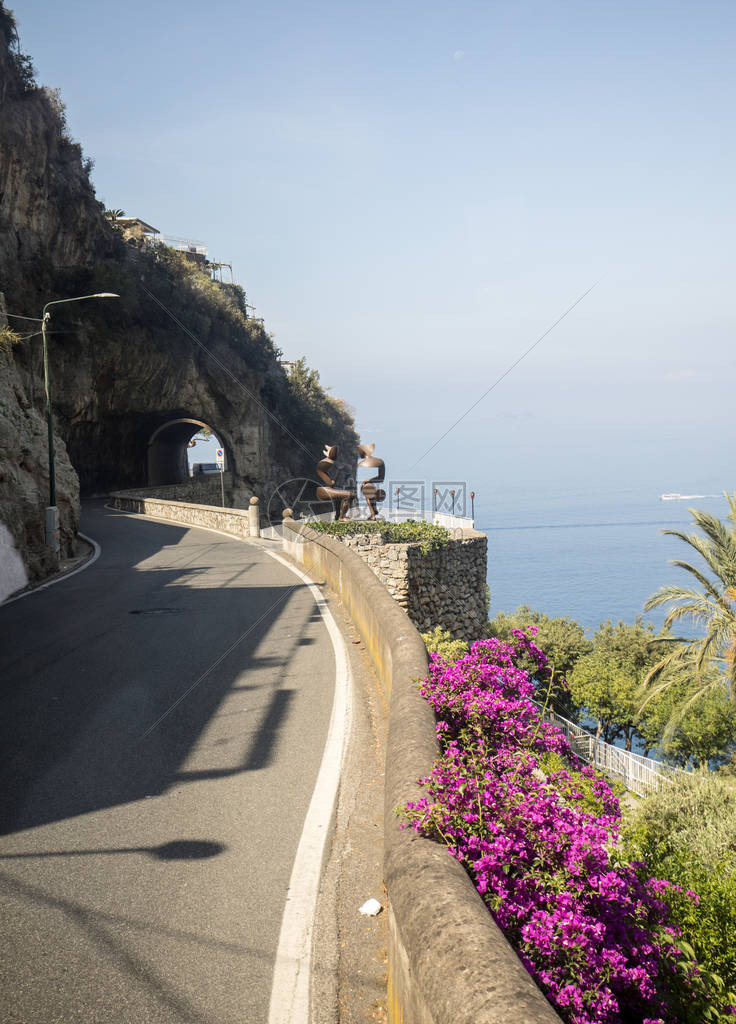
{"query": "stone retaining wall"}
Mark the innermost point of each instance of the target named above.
(444, 588)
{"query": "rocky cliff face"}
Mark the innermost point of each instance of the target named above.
(48, 218)
(24, 477)
(132, 378)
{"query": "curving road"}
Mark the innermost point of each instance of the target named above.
(162, 724)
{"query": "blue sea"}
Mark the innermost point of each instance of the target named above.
(591, 557)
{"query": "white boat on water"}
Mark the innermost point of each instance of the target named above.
(685, 497)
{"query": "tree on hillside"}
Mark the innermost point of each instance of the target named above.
(310, 411)
(21, 62)
(562, 639)
(709, 660)
(605, 684)
(703, 735)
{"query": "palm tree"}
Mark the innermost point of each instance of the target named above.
(710, 660)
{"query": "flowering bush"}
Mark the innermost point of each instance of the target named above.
(591, 929)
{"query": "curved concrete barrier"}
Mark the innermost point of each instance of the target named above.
(448, 962)
(240, 522)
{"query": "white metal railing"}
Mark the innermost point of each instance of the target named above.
(359, 513)
(386, 515)
(642, 775)
(182, 244)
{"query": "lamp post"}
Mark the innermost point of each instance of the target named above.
(52, 512)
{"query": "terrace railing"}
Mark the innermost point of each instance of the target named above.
(642, 775)
(386, 515)
(401, 515)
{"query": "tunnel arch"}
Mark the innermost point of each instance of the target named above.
(167, 450)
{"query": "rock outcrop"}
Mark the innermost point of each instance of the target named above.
(24, 477)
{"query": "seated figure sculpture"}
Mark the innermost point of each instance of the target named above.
(368, 488)
(341, 499)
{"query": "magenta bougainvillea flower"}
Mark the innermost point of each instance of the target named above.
(540, 845)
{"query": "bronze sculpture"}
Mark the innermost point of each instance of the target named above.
(341, 500)
(368, 488)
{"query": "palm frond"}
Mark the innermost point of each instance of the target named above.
(697, 695)
(686, 604)
(700, 577)
(671, 593)
(710, 660)
(671, 667)
(719, 555)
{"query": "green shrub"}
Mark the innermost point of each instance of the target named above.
(439, 641)
(430, 536)
(576, 787)
(563, 640)
(687, 836)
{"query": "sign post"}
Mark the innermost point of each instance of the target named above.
(220, 457)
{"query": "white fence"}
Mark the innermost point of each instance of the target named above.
(386, 515)
(359, 513)
(642, 775)
(182, 244)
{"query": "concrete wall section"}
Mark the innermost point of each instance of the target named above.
(230, 520)
(448, 962)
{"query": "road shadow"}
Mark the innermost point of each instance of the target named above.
(109, 680)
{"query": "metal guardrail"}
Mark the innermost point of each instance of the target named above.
(388, 515)
(642, 775)
(452, 522)
(402, 515)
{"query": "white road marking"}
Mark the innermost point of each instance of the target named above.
(64, 576)
(292, 971)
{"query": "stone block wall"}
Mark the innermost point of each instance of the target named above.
(442, 588)
(204, 489)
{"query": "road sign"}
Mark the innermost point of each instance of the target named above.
(220, 456)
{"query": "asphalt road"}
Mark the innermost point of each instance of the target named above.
(162, 723)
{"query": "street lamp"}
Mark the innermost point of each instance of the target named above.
(52, 512)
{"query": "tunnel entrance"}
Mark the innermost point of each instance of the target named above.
(170, 457)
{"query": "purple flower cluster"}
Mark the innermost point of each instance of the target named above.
(591, 929)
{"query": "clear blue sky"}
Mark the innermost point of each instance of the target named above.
(412, 193)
